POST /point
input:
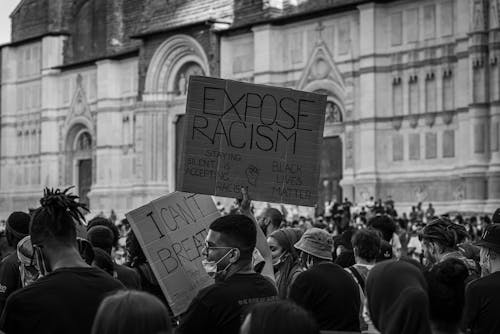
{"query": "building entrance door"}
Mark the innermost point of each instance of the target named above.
(84, 179)
(330, 172)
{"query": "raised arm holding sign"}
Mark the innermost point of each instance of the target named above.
(261, 243)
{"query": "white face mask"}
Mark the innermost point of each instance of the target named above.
(279, 259)
(211, 266)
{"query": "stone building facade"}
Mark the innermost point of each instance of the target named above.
(93, 92)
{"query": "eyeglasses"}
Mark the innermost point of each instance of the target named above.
(207, 247)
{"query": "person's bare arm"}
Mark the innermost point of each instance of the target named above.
(261, 244)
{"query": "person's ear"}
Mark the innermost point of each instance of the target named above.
(235, 255)
(356, 252)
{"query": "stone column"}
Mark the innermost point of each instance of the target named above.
(152, 147)
(493, 175)
(108, 139)
(478, 116)
(52, 56)
(263, 39)
(363, 136)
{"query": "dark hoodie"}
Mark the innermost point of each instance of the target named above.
(397, 298)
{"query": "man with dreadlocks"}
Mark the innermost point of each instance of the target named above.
(66, 298)
(440, 240)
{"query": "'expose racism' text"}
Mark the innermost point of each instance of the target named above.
(262, 122)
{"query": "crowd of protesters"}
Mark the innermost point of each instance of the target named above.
(350, 269)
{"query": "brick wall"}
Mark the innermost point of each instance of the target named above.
(160, 15)
(101, 28)
(88, 31)
(30, 20)
(251, 11)
(132, 11)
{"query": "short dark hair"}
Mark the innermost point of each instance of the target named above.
(367, 243)
(446, 281)
(237, 231)
(102, 221)
(17, 227)
(101, 237)
(275, 215)
(384, 224)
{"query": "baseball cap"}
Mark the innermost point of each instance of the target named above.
(490, 238)
(316, 242)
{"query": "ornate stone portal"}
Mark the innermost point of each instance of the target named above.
(183, 75)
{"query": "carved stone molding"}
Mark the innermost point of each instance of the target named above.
(397, 122)
(413, 121)
(430, 119)
(447, 117)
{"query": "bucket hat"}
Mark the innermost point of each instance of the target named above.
(316, 242)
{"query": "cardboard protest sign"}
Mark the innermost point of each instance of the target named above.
(171, 231)
(264, 138)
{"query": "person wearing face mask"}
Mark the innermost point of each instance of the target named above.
(325, 289)
(27, 267)
(66, 297)
(270, 220)
(285, 258)
(482, 296)
(17, 227)
(220, 307)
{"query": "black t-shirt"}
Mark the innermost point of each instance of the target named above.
(220, 308)
(128, 277)
(330, 294)
(482, 305)
(64, 301)
(10, 278)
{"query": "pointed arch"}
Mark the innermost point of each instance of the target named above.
(79, 111)
(322, 74)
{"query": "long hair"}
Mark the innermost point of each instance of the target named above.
(287, 238)
(132, 312)
(445, 233)
(446, 281)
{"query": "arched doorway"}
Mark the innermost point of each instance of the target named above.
(330, 171)
(79, 161)
(83, 164)
(167, 79)
(331, 168)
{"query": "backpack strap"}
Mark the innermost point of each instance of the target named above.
(358, 277)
